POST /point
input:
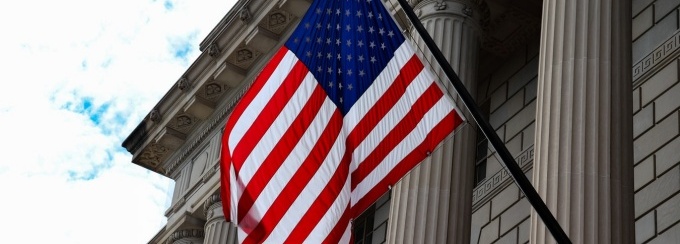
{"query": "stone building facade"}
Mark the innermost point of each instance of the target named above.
(583, 92)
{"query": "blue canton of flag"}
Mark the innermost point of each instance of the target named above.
(346, 44)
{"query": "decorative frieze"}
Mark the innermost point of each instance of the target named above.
(277, 21)
(153, 154)
(217, 120)
(656, 60)
(493, 185)
(243, 57)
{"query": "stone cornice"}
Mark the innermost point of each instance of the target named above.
(185, 116)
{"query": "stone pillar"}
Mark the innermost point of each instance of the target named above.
(583, 166)
(217, 229)
(432, 204)
(189, 236)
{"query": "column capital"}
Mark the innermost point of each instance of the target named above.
(180, 235)
(213, 201)
(473, 9)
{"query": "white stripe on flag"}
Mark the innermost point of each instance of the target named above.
(255, 108)
(438, 112)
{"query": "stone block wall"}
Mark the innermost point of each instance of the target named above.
(500, 210)
(656, 126)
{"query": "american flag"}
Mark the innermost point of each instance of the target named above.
(339, 114)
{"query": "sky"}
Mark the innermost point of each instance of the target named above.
(77, 77)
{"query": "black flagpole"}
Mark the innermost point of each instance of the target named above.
(510, 164)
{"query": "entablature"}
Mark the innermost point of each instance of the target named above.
(232, 55)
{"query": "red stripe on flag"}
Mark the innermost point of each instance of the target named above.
(268, 114)
(298, 182)
(321, 204)
(436, 135)
(280, 152)
(409, 71)
(225, 158)
(336, 234)
(252, 92)
(428, 99)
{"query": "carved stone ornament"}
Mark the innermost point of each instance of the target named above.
(467, 11)
(440, 5)
(244, 15)
(213, 50)
(181, 234)
(212, 202)
(155, 116)
(153, 154)
(183, 84)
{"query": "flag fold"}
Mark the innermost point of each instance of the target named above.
(340, 113)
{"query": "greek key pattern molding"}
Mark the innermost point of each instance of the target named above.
(654, 61)
(493, 185)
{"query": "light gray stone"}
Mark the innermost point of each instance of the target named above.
(514, 64)
(667, 103)
(672, 235)
(523, 235)
(489, 233)
(655, 138)
(523, 76)
(668, 156)
(479, 219)
(501, 134)
(514, 146)
(515, 214)
(636, 100)
(521, 120)
(481, 216)
(528, 136)
(659, 83)
(642, 22)
(530, 91)
(656, 192)
(498, 97)
(493, 166)
(643, 120)
(668, 213)
(639, 5)
(504, 199)
(663, 7)
(644, 228)
(508, 238)
(644, 173)
(654, 37)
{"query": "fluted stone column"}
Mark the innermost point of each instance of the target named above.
(189, 236)
(217, 229)
(432, 204)
(583, 160)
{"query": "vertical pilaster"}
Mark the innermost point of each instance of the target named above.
(583, 164)
(432, 204)
(217, 229)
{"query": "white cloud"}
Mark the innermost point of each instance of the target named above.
(78, 76)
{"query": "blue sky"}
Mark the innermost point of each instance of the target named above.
(78, 76)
